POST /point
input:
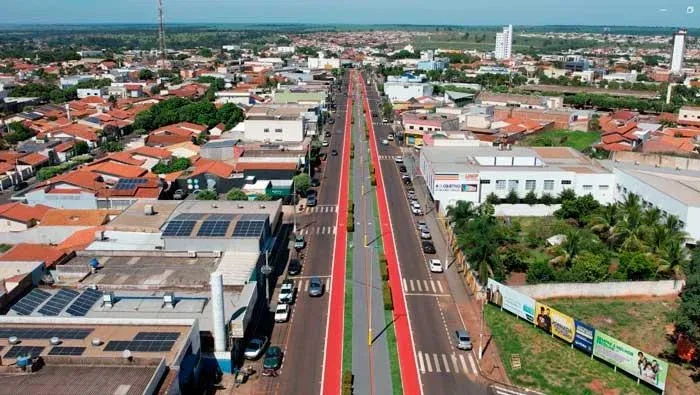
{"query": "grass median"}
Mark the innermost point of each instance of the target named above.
(347, 306)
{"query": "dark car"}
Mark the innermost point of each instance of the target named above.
(294, 267)
(273, 358)
(315, 182)
(334, 152)
(20, 185)
(402, 169)
(428, 247)
(311, 200)
(315, 287)
(179, 194)
(328, 134)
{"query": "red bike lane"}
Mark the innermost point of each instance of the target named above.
(404, 340)
(333, 355)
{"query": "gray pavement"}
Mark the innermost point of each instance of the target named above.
(370, 363)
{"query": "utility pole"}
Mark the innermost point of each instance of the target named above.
(161, 34)
(481, 330)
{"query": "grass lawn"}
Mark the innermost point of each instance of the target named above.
(5, 247)
(639, 323)
(551, 366)
(347, 308)
(569, 138)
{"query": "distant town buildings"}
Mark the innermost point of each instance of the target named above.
(678, 51)
(504, 43)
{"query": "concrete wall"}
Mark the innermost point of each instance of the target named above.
(665, 161)
(525, 210)
(602, 290)
(278, 130)
(8, 225)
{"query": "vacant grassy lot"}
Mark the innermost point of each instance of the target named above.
(568, 138)
(640, 323)
(551, 366)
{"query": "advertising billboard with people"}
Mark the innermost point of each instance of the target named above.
(581, 335)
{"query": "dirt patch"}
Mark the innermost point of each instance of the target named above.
(599, 387)
(601, 321)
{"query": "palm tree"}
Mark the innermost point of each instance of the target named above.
(605, 221)
(657, 237)
(631, 203)
(569, 249)
(673, 258)
(652, 216)
(461, 213)
(631, 231)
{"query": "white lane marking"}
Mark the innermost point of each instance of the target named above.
(405, 285)
(432, 285)
(306, 285)
(335, 229)
(440, 286)
(328, 285)
(501, 390)
(471, 362)
(411, 282)
(464, 364)
(418, 285)
(447, 365)
(425, 283)
(454, 363)
(437, 363)
(427, 363)
(420, 362)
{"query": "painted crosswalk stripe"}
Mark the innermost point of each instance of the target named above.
(306, 285)
(440, 286)
(420, 362)
(464, 364)
(418, 286)
(411, 283)
(405, 285)
(447, 365)
(454, 363)
(432, 285)
(506, 391)
(425, 283)
(437, 363)
(427, 363)
(471, 362)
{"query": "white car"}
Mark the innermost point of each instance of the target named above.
(415, 204)
(286, 294)
(324, 143)
(425, 234)
(282, 312)
(420, 225)
(255, 347)
(390, 137)
(385, 142)
(435, 266)
(416, 211)
(398, 159)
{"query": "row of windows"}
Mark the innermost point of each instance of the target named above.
(267, 130)
(421, 128)
(646, 204)
(531, 185)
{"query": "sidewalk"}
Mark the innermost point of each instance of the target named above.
(467, 303)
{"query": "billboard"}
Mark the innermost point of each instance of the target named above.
(508, 299)
(555, 322)
(635, 362)
(469, 187)
(583, 339)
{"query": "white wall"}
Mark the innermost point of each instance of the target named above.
(525, 210)
(398, 91)
(274, 130)
(601, 290)
(7, 225)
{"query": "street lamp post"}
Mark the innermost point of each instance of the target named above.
(266, 270)
(481, 327)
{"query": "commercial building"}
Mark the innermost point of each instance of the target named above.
(678, 51)
(504, 43)
(404, 91)
(524, 101)
(473, 173)
(322, 62)
(428, 62)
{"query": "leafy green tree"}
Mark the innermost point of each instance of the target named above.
(540, 271)
(578, 209)
(589, 268)
(687, 317)
(674, 257)
(567, 194)
(146, 75)
(637, 266)
(264, 198)
(207, 194)
(604, 221)
(530, 198)
(18, 132)
(302, 183)
(461, 213)
(236, 194)
(113, 146)
(177, 164)
(492, 198)
(80, 148)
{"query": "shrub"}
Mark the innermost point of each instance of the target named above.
(352, 154)
(530, 198)
(384, 270)
(347, 378)
(351, 208)
(512, 197)
(386, 295)
(547, 199)
(373, 179)
(351, 223)
(492, 198)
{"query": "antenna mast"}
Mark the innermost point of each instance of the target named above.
(161, 34)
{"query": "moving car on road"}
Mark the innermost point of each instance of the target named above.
(464, 342)
(385, 142)
(390, 137)
(398, 159)
(334, 152)
(255, 347)
(425, 234)
(282, 312)
(435, 266)
(402, 169)
(315, 287)
(428, 247)
(324, 143)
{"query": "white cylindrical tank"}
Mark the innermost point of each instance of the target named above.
(217, 298)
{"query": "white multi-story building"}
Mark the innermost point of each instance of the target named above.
(504, 43)
(473, 173)
(322, 62)
(678, 51)
(403, 91)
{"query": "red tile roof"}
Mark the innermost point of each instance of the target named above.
(77, 130)
(123, 157)
(22, 213)
(34, 252)
(615, 147)
(668, 144)
(82, 178)
(80, 240)
(117, 169)
(150, 189)
(208, 166)
(64, 147)
(34, 159)
(151, 152)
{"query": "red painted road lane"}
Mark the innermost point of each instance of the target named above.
(333, 355)
(404, 339)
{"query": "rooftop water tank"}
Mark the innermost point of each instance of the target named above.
(94, 263)
(23, 362)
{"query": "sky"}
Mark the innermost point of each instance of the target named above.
(671, 13)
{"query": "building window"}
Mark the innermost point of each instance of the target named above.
(500, 184)
(484, 181)
(530, 185)
(603, 187)
(565, 182)
(548, 185)
(278, 130)
(588, 187)
(410, 127)
(266, 130)
(512, 184)
(420, 128)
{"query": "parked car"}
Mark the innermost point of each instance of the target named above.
(273, 358)
(255, 347)
(411, 195)
(402, 169)
(286, 292)
(20, 185)
(325, 143)
(315, 182)
(390, 137)
(398, 159)
(464, 342)
(435, 266)
(415, 204)
(428, 247)
(420, 225)
(334, 152)
(180, 194)
(299, 242)
(328, 134)
(294, 267)
(416, 211)
(311, 200)
(425, 234)
(282, 312)
(315, 287)
(407, 180)
(385, 142)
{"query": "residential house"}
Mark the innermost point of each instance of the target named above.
(73, 131)
(76, 217)
(621, 131)
(662, 144)
(416, 125)
(216, 131)
(17, 217)
(689, 116)
(27, 252)
(174, 134)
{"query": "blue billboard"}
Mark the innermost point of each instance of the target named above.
(583, 338)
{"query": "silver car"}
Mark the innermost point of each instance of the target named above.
(315, 287)
(464, 342)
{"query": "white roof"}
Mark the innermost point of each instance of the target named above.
(127, 241)
(260, 185)
(237, 266)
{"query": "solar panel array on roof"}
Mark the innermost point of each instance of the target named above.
(213, 228)
(73, 351)
(45, 333)
(139, 345)
(168, 336)
(179, 228)
(189, 217)
(23, 351)
(31, 301)
(84, 302)
(129, 183)
(58, 302)
(249, 229)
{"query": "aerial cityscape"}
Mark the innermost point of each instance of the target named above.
(383, 200)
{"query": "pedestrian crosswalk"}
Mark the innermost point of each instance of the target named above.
(497, 389)
(317, 230)
(386, 157)
(303, 284)
(453, 363)
(322, 209)
(432, 287)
